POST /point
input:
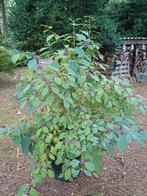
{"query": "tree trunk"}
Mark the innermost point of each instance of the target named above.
(3, 10)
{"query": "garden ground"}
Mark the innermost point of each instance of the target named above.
(125, 175)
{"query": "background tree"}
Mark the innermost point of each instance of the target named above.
(29, 20)
(3, 11)
(130, 15)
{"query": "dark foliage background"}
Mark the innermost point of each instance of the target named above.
(29, 20)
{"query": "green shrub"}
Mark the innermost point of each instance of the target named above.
(5, 60)
(78, 113)
(20, 59)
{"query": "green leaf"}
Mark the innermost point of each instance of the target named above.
(48, 139)
(137, 137)
(53, 150)
(15, 58)
(118, 89)
(50, 100)
(22, 189)
(67, 174)
(41, 147)
(58, 161)
(81, 37)
(66, 104)
(101, 57)
(75, 163)
(45, 130)
(80, 51)
(68, 98)
(85, 62)
(51, 174)
(58, 145)
(45, 91)
(97, 160)
(33, 192)
(75, 173)
(72, 72)
(23, 103)
(43, 157)
(128, 138)
(85, 33)
(50, 37)
(87, 172)
(54, 66)
(17, 140)
(55, 90)
(36, 102)
(32, 65)
(90, 166)
(65, 85)
(106, 99)
(121, 143)
(52, 157)
(27, 88)
(58, 80)
(25, 144)
(81, 79)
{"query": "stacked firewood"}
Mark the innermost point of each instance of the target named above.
(121, 64)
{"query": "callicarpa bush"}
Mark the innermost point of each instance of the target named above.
(75, 114)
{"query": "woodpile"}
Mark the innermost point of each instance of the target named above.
(131, 59)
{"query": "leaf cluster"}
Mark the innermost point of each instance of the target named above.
(78, 114)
